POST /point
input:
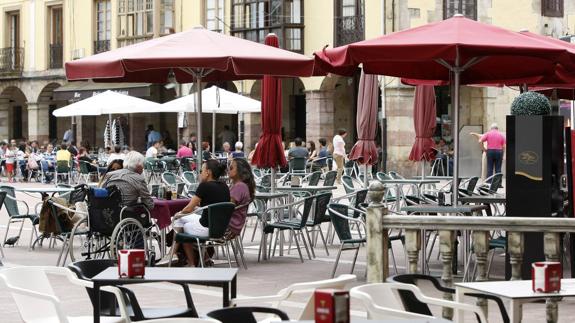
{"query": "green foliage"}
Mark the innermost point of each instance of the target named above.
(530, 104)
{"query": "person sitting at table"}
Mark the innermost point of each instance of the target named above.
(63, 154)
(114, 165)
(253, 152)
(152, 152)
(242, 194)
(83, 157)
(184, 151)
(130, 181)
(206, 154)
(117, 154)
(320, 161)
(227, 149)
(297, 151)
(209, 191)
(238, 153)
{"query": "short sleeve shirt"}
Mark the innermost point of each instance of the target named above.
(298, 152)
(338, 145)
(211, 192)
(240, 194)
(494, 138)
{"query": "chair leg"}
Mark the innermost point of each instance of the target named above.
(172, 251)
(336, 261)
(324, 242)
(298, 248)
(255, 229)
(64, 247)
(393, 258)
(7, 229)
(490, 261)
(354, 258)
(201, 253)
(228, 255)
(240, 248)
(305, 243)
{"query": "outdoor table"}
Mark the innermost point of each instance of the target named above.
(407, 181)
(226, 278)
(163, 212)
(486, 200)
(467, 210)
(517, 291)
(43, 191)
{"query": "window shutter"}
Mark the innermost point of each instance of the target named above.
(552, 8)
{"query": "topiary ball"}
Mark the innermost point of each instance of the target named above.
(530, 104)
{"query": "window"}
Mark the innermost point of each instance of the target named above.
(414, 13)
(468, 8)
(103, 26)
(11, 57)
(552, 8)
(349, 21)
(214, 15)
(13, 29)
(56, 49)
(136, 21)
(254, 19)
(167, 23)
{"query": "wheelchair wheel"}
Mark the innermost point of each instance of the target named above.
(128, 234)
(86, 245)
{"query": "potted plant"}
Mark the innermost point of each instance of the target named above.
(534, 165)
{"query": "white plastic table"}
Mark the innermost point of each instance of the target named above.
(517, 292)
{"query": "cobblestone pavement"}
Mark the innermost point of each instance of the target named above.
(261, 278)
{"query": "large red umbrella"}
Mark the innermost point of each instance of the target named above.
(458, 49)
(269, 152)
(195, 55)
(424, 122)
(364, 150)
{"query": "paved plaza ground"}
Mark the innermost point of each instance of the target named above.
(261, 278)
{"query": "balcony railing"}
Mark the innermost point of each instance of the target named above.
(11, 61)
(101, 46)
(478, 228)
(349, 30)
(56, 55)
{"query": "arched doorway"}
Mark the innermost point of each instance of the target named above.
(343, 92)
(48, 127)
(13, 114)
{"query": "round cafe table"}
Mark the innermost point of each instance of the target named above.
(164, 210)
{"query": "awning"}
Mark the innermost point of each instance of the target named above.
(86, 89)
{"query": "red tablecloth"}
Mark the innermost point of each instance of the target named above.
(164, 210)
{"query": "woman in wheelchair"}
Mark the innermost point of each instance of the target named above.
(210, 191)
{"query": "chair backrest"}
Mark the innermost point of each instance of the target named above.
(382, 176)
(337, 213)
(32, 279)
(471, 183)
(2, 198)
(407, 298)
(347, 184)
(10, 200)
(297, 164)
(185, 162)
(266, 180)
(307, 204)
(219, 216)
(395, 175)
(184, 320)
(313, 178)
(496, 180)
(359, 199)
(169, 179)
(63, 166)
(104, 208)
(78, 194)
(320, 207)
(86, 270)
(330, 177)
(381, 303)
(84, 167)
(190, 177)
(155, 190)
(245, 314)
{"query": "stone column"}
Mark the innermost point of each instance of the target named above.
(319, 115)
(446, 249)
(38, 121)
(552, 247)
(377, 237)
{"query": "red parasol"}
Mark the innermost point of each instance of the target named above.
(269, 152)
(364, 149)
(424, 122)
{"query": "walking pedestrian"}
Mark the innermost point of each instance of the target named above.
(495, 149)
(339, 152)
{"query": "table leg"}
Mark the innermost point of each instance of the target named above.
(423, 252)
(234, 287)
(96, 302)
(552, 310)
(226, 294)
(516, 311)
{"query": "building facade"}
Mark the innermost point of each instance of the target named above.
(41, 35)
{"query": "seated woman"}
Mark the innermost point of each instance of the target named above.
(242, 193)
(210, 191)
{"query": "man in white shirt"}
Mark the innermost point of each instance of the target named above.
(339, 152)
(152, 152)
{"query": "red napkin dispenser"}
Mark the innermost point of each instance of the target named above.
(331, 306)
(546, 276)
(131, 263)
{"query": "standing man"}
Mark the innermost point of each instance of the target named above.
(495, 149)
(153, 136)
(67, 136)
(339, 152)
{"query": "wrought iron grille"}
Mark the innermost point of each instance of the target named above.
(56, 55)
(101, 46)
(349, 29)
(11, 61)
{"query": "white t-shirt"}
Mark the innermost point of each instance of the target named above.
(151, 152)
(338, 145)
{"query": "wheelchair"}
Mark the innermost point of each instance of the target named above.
(111, 226)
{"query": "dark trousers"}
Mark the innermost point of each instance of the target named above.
(494, 159)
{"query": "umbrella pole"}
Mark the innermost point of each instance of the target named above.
(199, 121)
(214, 133)
(455, 105)
(423, 170)
(110, 131)
(365, 180)
(273, 180)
